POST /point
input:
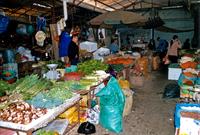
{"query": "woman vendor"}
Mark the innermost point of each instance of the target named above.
(73, 50)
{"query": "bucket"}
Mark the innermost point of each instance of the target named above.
(72, 68)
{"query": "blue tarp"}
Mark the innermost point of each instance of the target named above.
(178, 111)
(3, 23)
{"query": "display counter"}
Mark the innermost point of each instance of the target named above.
(44, 120)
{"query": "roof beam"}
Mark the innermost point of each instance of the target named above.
(105, 4)
(89, 6)
(131, 4)
(153, 3)
(25, 12)
(119, 3)
(79, 2)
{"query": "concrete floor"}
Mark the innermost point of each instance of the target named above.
(151, 115)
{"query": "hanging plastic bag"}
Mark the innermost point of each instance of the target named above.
(4, 21)
(93, 115)
(112, 102)
(21, 29)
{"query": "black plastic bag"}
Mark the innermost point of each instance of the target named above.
(86, 128)
(171, 90)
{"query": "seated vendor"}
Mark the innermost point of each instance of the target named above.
(114, 48)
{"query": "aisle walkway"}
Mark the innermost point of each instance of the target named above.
(151, 115)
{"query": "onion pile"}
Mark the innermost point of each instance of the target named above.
(21, 113)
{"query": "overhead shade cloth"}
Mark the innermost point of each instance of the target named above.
(117, 18)
(172, 30)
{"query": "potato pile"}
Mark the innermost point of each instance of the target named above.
(21, 113)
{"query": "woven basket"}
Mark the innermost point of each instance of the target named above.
(136, 81)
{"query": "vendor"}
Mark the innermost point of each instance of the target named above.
(172, 53)
(73, 50)
(161, 48)
(65, 40)
(114, 48)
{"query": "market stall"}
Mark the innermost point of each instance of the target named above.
(189, 77)
(187, 74)
(50, 115)
(52, 95)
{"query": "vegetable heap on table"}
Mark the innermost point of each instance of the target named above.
(121, 60)
(52, 98)
(21, 113)
(4, 87)
(117, 67)
(31, 85)
(88, 67)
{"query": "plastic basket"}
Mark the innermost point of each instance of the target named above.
(72, 68)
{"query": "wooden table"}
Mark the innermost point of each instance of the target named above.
(91, 92)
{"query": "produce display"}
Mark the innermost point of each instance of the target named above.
(189, 78)
(117, 67)
(88, 67)
(52, 98)
(31, 86)
(136, 70)
(72, 76)
(59, 93)
(4, 86)
(44, 132)
(21, 113)
(120, 60)
(29, 98)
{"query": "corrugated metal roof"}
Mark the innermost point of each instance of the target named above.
(111, 5)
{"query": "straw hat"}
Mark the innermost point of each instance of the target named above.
(40, 37)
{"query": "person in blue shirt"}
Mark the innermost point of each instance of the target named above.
(114, 48)
(65, 40)
(162, 47)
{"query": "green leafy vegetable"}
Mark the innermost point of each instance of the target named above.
(89, 66)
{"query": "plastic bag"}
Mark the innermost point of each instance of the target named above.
(71, 114)
(171, 91)
(124, 84)
(4, 21)
(93, 115)
(189, 64)
(112, 102)
(86, 128)
(198, 81)
(155, 62)
(143, 63)
(184, 79)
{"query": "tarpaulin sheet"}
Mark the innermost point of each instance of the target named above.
(172, 30)
(183, 107)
